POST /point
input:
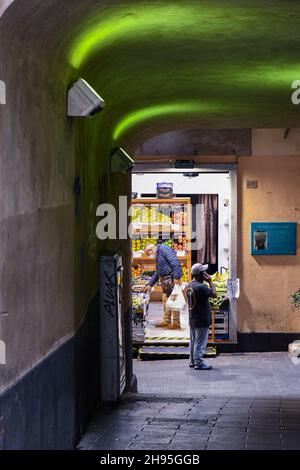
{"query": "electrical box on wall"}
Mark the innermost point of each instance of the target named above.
(252, 184)
(273, 238)
(112, 344)
(2, 92)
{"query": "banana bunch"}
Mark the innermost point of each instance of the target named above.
(215, 276)
(220, 281)
(217, 301)
(220, 286)
(218, 277)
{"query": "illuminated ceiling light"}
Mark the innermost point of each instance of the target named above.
(163, 110)
(145, 20)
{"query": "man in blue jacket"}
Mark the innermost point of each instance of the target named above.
(168, 271)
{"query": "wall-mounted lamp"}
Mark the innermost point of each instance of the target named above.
(83, 101)
(120, 161)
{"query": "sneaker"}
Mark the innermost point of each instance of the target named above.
(162, 324)
(174, 327)
(203, 367)
(191, 364)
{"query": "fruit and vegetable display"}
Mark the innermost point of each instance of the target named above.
(136, 271)
(142, 280)
(220, 283)
(139, 244)
(159, 222)
(168, 242)
(185, 275)
(217, 301)
(138, 303)
(147, 274)
(156, 214)
(151, 215)
(181, 244)
(179, 216)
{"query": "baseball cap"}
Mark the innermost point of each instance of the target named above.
(198, 268)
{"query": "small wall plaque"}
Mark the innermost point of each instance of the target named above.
(252, 184)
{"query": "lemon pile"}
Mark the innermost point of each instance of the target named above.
(150, 215)
(139, 244)
(185, 275)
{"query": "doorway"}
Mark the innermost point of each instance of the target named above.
(194, 213)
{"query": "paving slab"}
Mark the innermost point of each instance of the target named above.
(249, 401)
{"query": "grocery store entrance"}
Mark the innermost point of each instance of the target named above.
(193, 212)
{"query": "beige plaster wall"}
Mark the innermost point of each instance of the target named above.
(268, 281)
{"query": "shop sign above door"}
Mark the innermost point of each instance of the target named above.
(273, 238)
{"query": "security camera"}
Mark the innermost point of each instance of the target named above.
(83, 101)
(120, 161)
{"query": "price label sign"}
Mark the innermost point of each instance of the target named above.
(233, 288)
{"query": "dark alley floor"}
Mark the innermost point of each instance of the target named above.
(247, 401)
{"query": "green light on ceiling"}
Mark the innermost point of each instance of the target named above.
(147, 20)
(276, 73)
(136, 117)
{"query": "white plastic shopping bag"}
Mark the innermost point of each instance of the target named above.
(176, 301)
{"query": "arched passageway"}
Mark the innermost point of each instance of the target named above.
(160, 66)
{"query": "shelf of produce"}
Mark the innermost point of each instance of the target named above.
(160, 220)
(149, 260)
(153, 228)
(160, 202)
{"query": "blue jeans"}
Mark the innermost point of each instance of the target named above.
(198, 343)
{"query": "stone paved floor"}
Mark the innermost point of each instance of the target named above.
(247, 402)
(257, 374)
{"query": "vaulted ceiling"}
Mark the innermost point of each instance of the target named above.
(166, 64)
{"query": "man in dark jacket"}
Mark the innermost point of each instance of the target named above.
(168, 271)
(198, 295)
